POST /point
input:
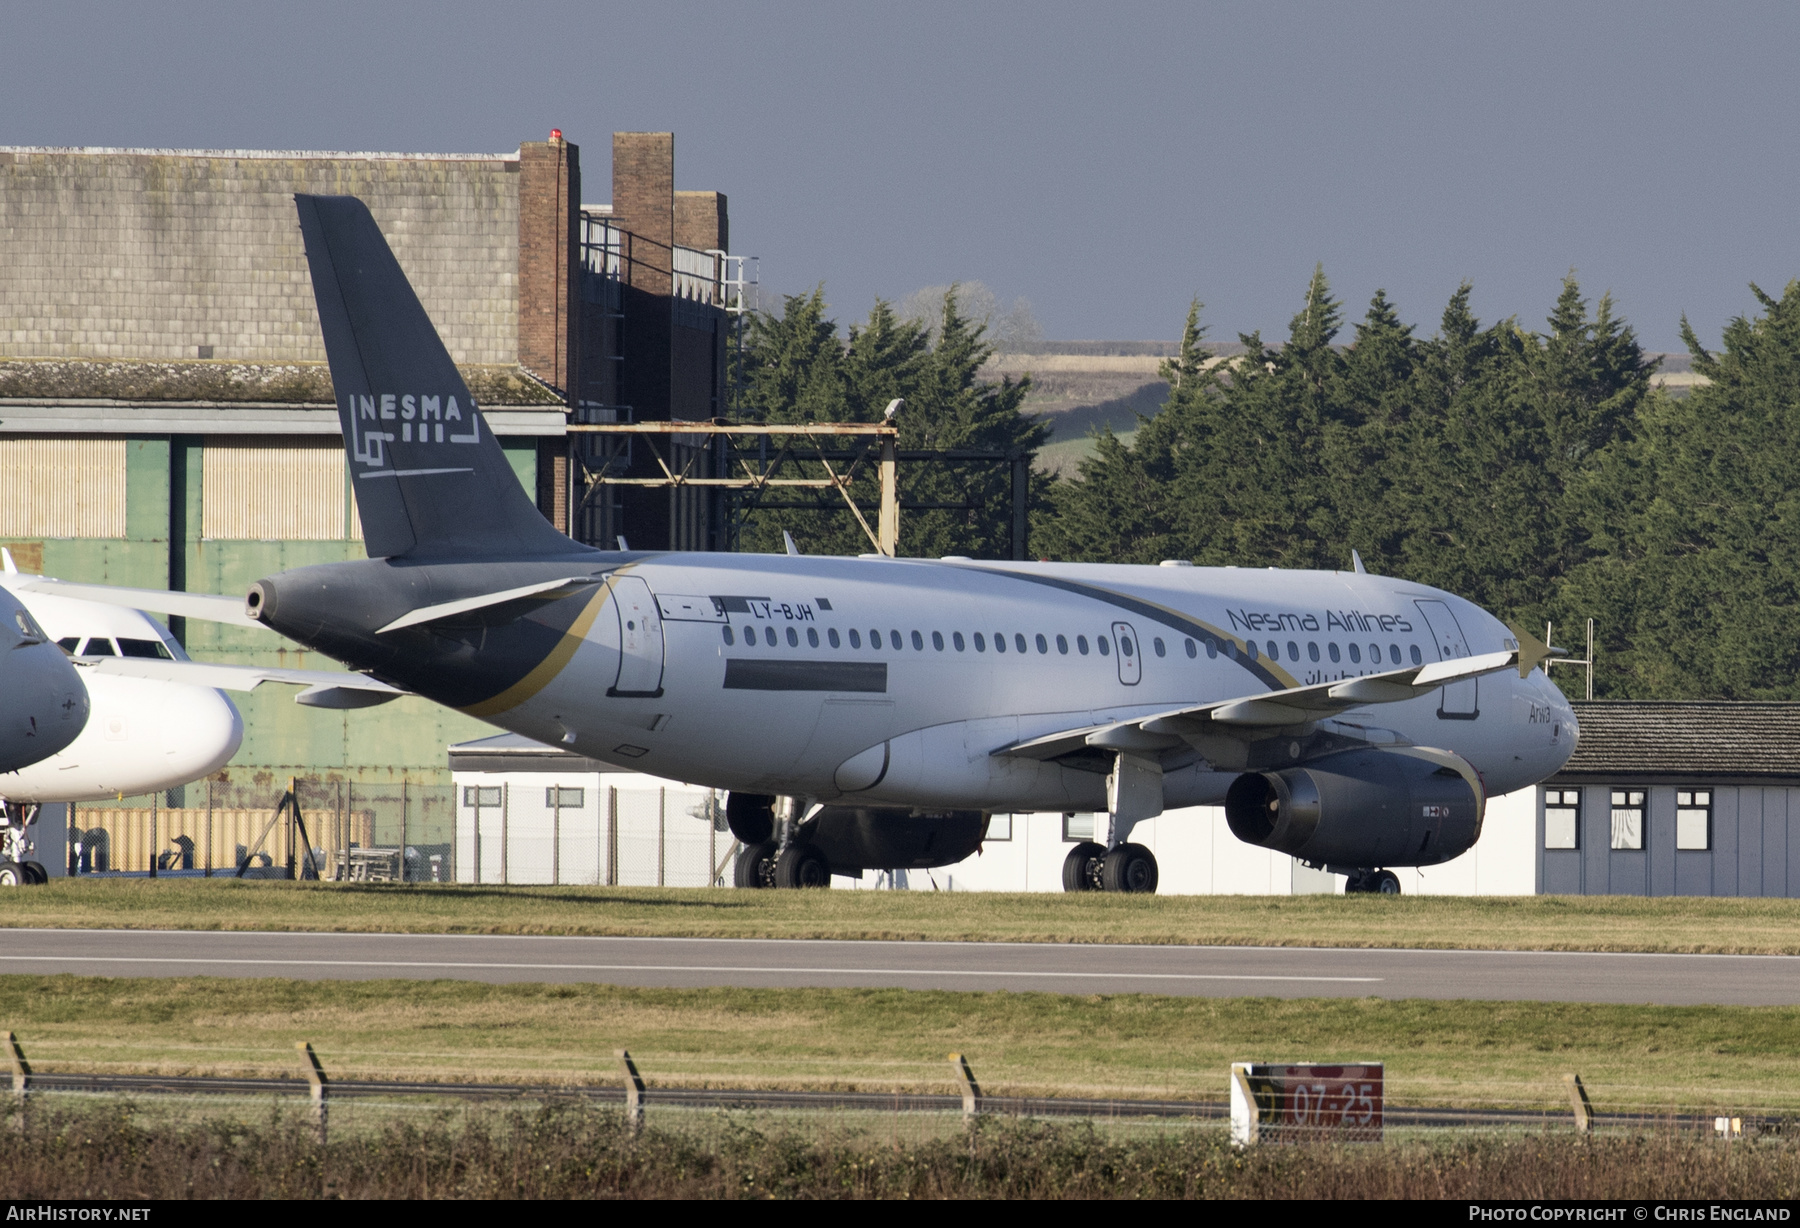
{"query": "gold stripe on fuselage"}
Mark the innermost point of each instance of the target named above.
(552, 664)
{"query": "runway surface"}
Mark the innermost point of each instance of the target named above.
(1284, 972)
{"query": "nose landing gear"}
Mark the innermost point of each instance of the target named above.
(1372, 882)
(17, 868)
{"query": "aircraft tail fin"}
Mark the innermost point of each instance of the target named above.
(430, 477)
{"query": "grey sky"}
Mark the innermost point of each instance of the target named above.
(1107, 161)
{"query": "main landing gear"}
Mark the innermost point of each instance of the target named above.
(771, 857)
(1372, 882)
(1127, 868)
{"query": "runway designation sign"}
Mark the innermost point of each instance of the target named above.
(1305, 1103)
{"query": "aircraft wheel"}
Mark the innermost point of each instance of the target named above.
(1130, 868)
(1384, 882)
(802, 865)
(35, 873)
(1357, 883)
(755, 866)
(12, 874)
(1081, 868)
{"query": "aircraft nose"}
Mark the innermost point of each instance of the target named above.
(201, 731)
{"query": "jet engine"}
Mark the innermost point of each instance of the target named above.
(1401, 806)
(857, 838)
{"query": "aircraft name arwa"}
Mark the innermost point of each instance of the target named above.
(1335, 620)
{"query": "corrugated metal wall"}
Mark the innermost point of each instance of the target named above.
(277, 489)
(52, 487)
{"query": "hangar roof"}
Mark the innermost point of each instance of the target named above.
(1691, 740)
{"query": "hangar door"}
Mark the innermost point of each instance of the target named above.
(1458, 701)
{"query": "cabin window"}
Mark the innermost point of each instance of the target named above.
(1250, 649)
(957, 639)
(1312, 650)
(1355, 655)
(1332, 648)
(1562, 818)
(855, 638)
(1627, 819)
(812, 637)
(1102, 645)
(999, 641)
(1417, 658)
(980, 642)
(1125, 648)
(793, 638)
(1274, 650)
(918, 642)
(894, 639)
(1043, 644)
(1293, 651)
(1158, 645)
(768, 635)
(1192, 651)
(1374, 654)
(1019, 640)
(1693, 819)
(1081, 644)
(937, 640)
(1394, 653)
(832, 635)
(1230, 649)
(1062, 644)
(729, 637)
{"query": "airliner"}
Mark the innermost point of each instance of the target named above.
(872, 712)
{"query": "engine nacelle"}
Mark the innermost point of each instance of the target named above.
(1400, 806)
(858, 838)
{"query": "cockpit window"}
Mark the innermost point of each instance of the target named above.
(145, 648)
(70, 643)
(97, 647)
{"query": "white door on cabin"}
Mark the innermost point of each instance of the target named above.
(640, 638)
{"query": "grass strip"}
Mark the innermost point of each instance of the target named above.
(1714, 925)
(1689, 1058)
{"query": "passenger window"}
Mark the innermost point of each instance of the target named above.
(999, 641)
(855, 638)
(793, 638)
(1293, 651)
(1125, 648)
(1374, 654)
(980, 642)
(875, 639)
(1250, 649)
(1062, 644)
(812, 637)
(768, 635)
(1274, 650)
(1417, 659)
(1158, 645)
(1212, 648)
(832, 635)
(729, 638)
(918, 642)
(1332, 648)
(1394, 653)
(1081, 644)
(894, 639)
(1230, 649)
(1102, 645)
(1191, 650)
(1355, 655)
(1042, 643)
(1312, 650)
(957, 639)
(1019, 641)
(937, 640)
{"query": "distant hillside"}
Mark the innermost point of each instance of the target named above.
(1080, 386)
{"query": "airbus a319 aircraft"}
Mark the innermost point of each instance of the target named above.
(870, 713)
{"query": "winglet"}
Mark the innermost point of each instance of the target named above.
(1356, 564)
(1532, 651)
(788, 540)
(12, 568)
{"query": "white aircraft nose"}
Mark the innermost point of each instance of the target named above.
(200, 731)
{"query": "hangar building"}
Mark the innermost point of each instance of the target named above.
(167, 418)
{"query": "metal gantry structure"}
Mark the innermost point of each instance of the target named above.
(754, 474)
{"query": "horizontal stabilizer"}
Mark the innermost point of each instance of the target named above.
(524, 597)
(207, 607)
(248, 678)
(1254, 716)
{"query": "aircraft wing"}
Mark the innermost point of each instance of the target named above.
(207, 607)
(1251, 717)
(325, 688)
